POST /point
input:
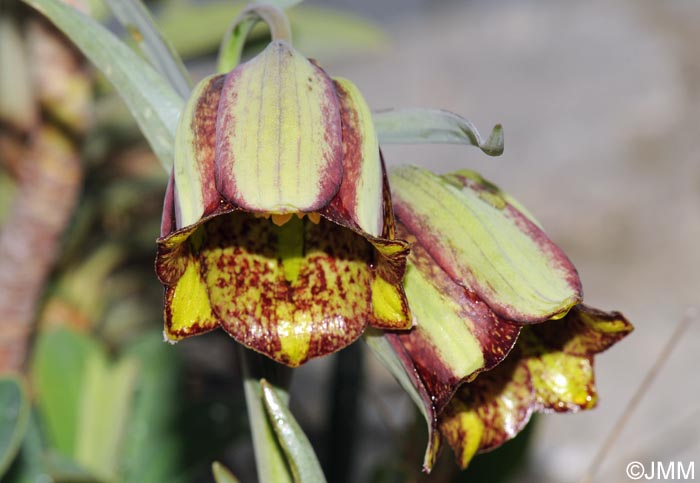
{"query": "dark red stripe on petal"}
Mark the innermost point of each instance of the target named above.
(204, 127)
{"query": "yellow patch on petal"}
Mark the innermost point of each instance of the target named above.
(188, 310)
(288, 304)
(463, 430)
(563, 382)
(388, 305)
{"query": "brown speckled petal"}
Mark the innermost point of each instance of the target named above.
(293, 292)
(550, 369)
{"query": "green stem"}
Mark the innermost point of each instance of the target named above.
(234, 40)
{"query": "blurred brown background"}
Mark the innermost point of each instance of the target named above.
(600, 103)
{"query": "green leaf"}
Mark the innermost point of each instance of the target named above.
(153, 450)
(29, 466)
(58, 369)
(234, 40)
(65, 469)
(434, 126)
(149, 97)
(14, 415)
(222, 474)
(136, 19)
(269, 457)
(300, 454)
(107, 390)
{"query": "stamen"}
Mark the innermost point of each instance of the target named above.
(315, 218)
(280, 220)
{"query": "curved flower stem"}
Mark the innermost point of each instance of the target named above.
(234, 40)
(269, 456)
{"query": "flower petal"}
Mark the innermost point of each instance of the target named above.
(293, 292)
(486, 243)
(391, 311)
(551, 369)
(361, 190)
(193, 167)
(187, 307)
(279, 143)
(456, 333)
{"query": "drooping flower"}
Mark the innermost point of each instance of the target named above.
(482, 275)
(549, 370)
(278, 224)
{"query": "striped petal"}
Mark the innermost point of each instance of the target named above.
(483, 241)
(551, 369)
(456, 333)
(360, 193)
(195, 188)
(279, 141)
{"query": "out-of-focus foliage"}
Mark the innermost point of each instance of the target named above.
(14, 414)
(111, 401)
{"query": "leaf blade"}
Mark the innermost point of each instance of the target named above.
(136, 19)
(14, 417)
(300, 454)
(436, 126)
(150, 99)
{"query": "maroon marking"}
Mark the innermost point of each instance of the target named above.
(204, 127)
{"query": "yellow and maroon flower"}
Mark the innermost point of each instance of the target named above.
(549, 370)
(481, 277)
(278, 224)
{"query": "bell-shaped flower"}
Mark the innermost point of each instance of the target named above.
(549, 370)
(278, 225)
(480, 269)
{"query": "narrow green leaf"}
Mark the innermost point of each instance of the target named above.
(300, 454)
(137, 21)
(14, 415)
(222, 474)
(153, 450)
(149, 97)
(57, 370)
(63, 469)
(29, 466)
(107, 390)
(434, 126)
(269, 457)
(234, 40)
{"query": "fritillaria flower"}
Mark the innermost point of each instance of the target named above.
(278, 225)
(500, 331)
